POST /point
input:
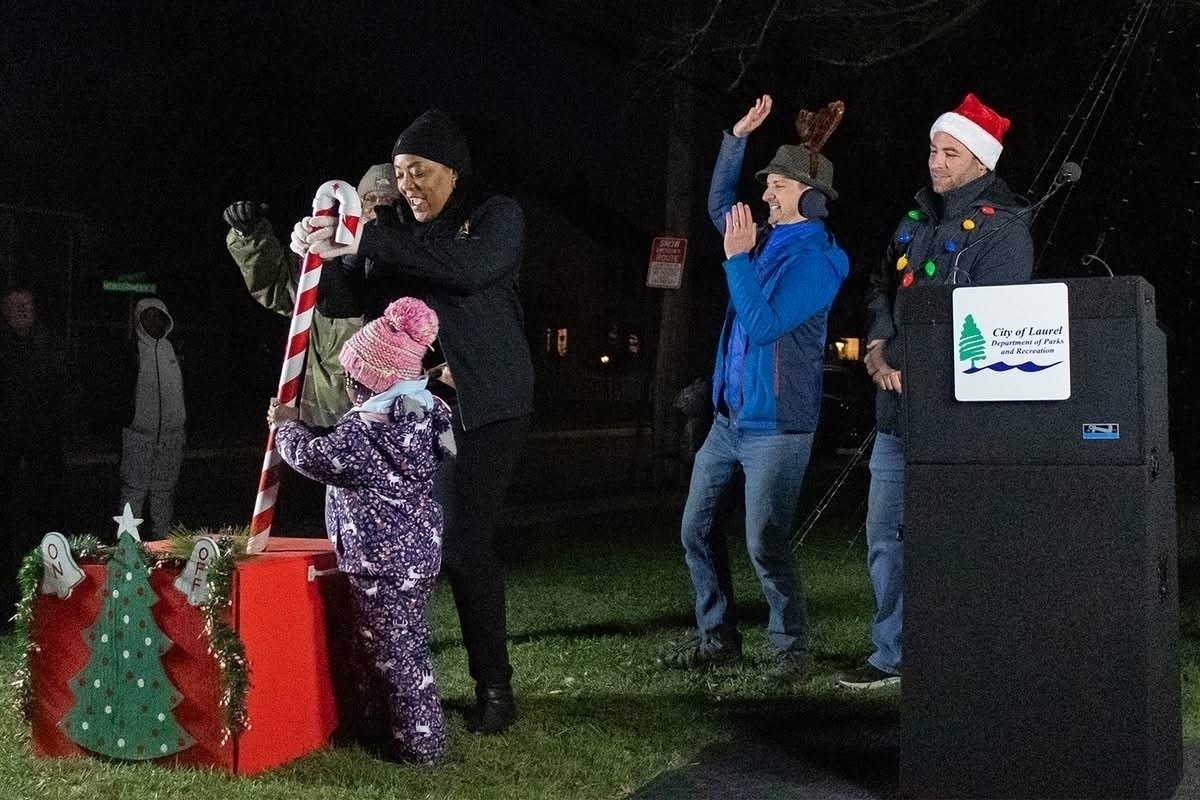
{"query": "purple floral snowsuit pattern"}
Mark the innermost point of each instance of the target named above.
(387, 532)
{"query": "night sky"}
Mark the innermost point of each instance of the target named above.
(152, 120)
(149, 118)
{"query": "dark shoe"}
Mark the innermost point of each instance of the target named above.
(791, 666)
(402, 754)
(868, 677)
(495, 710)
(697, 653)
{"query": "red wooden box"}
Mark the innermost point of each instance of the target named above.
(292, 620)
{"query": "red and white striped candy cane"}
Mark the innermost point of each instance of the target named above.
(333, 196)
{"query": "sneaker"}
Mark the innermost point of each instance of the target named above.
(696, 653)
(868, 677)
(791, 666)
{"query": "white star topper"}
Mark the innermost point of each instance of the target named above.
(128, 523)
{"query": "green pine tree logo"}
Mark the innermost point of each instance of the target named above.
(124, 703)
(970, 342)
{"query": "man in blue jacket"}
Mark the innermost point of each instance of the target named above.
(782, 278)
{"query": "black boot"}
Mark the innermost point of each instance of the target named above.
(495, 710)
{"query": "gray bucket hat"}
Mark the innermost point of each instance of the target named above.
(802, 164)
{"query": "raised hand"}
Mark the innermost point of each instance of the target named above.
(740, 232)
(244, 215)
(754, 117)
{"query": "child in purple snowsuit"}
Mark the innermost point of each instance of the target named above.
(378, 463)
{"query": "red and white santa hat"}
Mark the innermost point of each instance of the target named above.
(979, 128)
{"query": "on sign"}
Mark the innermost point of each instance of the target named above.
(667, 255)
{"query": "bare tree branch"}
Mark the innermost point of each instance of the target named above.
(745, 62)
(931, 34)
(697, 36)
(738, 35)
(865, 10)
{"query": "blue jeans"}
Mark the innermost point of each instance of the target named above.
(773, 464)
(885, 549)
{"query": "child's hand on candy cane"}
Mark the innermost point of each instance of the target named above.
(277, 413)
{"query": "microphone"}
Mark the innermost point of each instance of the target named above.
(1069, 173)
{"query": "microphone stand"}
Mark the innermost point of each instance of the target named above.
(1088, 258)
(1069, 174)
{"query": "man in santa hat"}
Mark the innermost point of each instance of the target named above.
(966, 202)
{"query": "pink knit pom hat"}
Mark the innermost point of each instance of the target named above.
(390, 349)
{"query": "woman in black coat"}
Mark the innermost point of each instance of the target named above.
(462, 256)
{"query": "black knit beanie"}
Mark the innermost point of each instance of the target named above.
(435, 136)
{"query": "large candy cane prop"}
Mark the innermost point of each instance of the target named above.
(333, 195)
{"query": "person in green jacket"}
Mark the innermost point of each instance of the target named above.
(271, 272)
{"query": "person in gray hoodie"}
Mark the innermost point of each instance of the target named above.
(153, 440)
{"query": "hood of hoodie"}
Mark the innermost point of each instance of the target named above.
(158, 404)
(142, 305)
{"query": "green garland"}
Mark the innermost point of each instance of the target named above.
(223, 642)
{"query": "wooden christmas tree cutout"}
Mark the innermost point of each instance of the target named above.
(124, 702)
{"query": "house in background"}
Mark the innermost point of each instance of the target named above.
(588, 315)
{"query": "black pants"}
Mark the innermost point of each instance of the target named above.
(482, 471)
(31, 502)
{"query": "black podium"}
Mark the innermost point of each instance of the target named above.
(1041, 609)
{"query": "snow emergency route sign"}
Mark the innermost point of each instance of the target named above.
(666, 262)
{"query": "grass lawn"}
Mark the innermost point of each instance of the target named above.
(592, 601)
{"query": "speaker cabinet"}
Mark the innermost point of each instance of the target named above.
(1041, 583)
(1040, 655)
